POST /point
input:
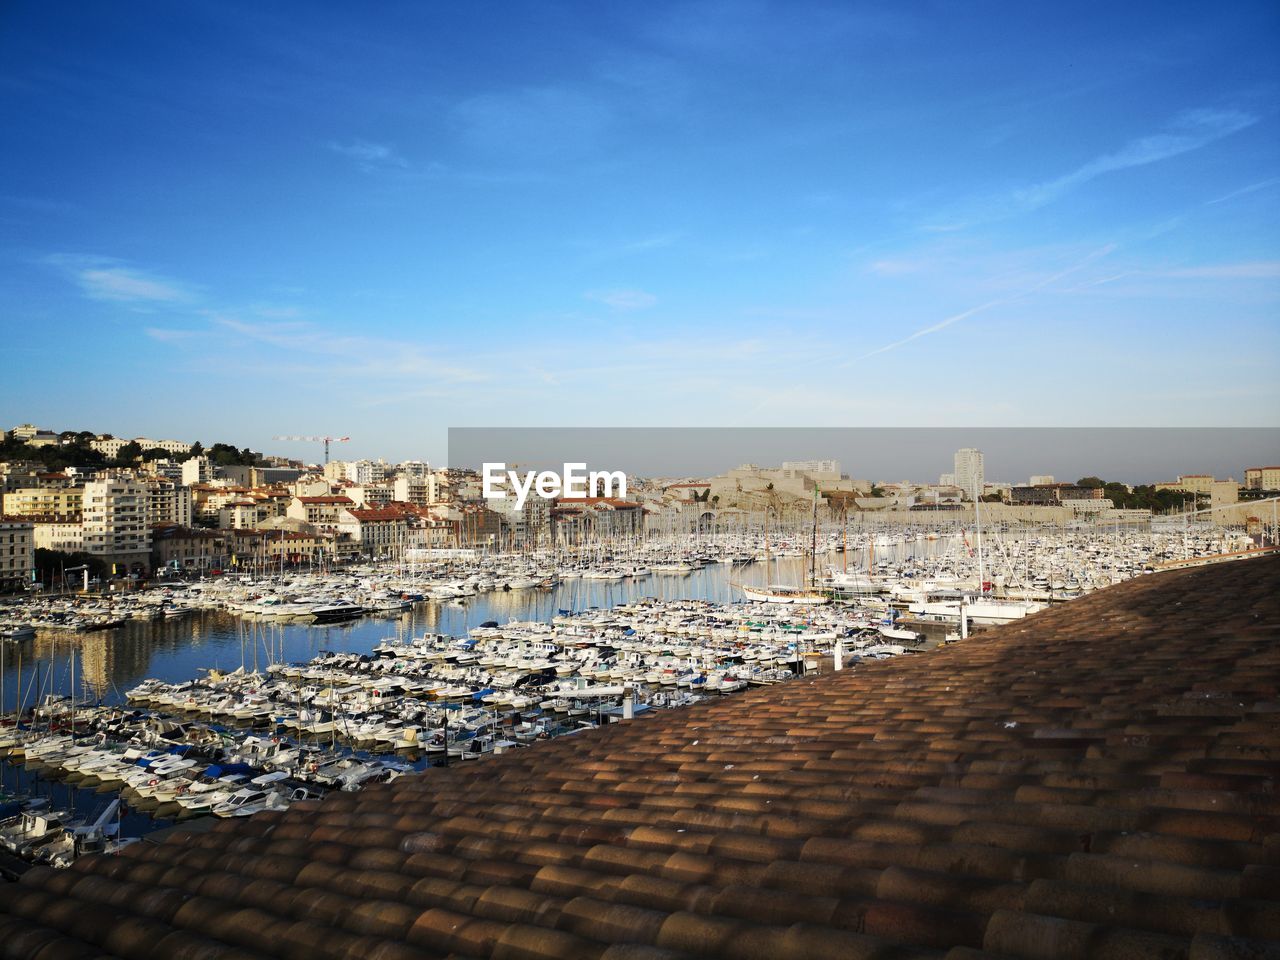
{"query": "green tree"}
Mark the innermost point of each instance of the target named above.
(131, 452)
(1091, 483)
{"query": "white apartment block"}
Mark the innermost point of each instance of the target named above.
(17, 553)
(420, 491)
(115, 521)
(364, 472)
(336, 470)
(108, 446)
(1040, 480)
(197, 470)
(812, 466)
(176, 447)
(371, 494)
(969, 475)
(111, 446)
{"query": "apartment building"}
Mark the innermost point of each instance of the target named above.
(380, 532)
(322, 512)
(969, 471)
(197, 470)
(168, 502)
(17, 553)
(43, 503)
(1262, 478)
(65, 534)
(115, 522)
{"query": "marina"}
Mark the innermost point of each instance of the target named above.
(224, 696)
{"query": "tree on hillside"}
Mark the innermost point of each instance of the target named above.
(1091, 483)
(131, 452)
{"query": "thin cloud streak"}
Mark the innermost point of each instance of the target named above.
(1190, 130)
(622, 299)
(973, 311)
(1253, 187)
(370, 156)
(106, 278)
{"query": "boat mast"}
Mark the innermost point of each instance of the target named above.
(977, 518)
(813, 541)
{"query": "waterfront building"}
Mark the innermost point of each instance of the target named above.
(379, 532)
(17, 552)
(579, 519)
(180, 547)
(115, 521)
(65, 534)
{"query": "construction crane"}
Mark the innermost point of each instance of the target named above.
(325, 440)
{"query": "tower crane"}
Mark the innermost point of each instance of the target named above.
(325, 440)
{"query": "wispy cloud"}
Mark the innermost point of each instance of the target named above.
(169, 335)
(533, 120)
(314, 350)
(1251, 188)
(983, 307)
(894, 268)
(622, 299)
(1188, 131)
(104, 278)
(370, 156)
(1256, 270)
(655, 241)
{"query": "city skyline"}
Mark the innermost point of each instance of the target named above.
(241, 222)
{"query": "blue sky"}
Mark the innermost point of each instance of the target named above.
(225, 221)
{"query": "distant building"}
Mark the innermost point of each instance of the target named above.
(1040, 480)
(969, 473)
(197, 470)
(1262, 478)
(812, 466)
(324, 512)
(1054, 494)
(417, 489)
(25, 431)
(1218, 492)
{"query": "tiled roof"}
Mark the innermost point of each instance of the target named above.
(1096, 780)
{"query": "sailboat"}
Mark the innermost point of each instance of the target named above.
(782, 593)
